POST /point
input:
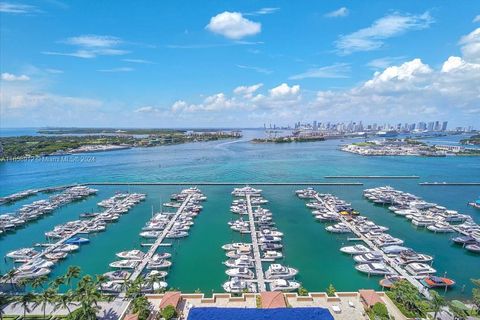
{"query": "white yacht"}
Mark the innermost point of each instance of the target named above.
(235, 254)
(56, 255)
(338, 228)
(157, 262)
(369, 257)
(176, 234)
(419, 270)
(25, 253)
(243, 273)
(277, 271)
(394, 250)
(66, 248)
(269, 239)
(235, 246)
(111, 287)
(356, 249)
(150, 234)
(284, 285)
(242, 262)
(375, 268)
(117, 275)
(409, 256)
(271, 254)
(423, 221)
(441, 227)
(156, 274)
(131, 255)
(273, 233)
(124, 264)
(387, 240)
(236, 285)
(30, 272)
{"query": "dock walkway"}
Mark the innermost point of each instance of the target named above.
(256, 250)
(393, 267)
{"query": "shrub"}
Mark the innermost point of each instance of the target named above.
(168, 312)
(302, 291)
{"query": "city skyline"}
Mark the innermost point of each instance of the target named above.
(228, 65)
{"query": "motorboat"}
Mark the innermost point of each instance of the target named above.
(236, 285)
(375, 268)
(277, 271)
(356, 249)
(423, 221)
(387, 240)
(435, 282)
(150, 234)
(269, 239)
(77, 240)
(441, 227)
(271, 254)
(156, 274)
(235, 246)
(284, 285)
(66, 248)
(389, 281)
(464, 240)
(124, 264)
(270, 246)
(410, 256)
(56, 255)
(243, 273)
(157, 262)
(419, 270)
(131, 255)
(30, 272)
(176, 234)
(369, 257)
(474, 247)
(338, 228)
(269, 232)
(41, 263)
(111, 287)
(244, 261)
(394, 250)
(117, 275)
(235, 254)
(25, 253)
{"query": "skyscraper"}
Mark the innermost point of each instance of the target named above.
(444, 125)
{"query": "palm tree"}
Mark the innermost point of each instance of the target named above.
(88, 295)
(46, 297)
(38, 282)
(437, 302)
(57, 282)
(4, 301)
(152, 279)
(73, 272)
(25, 301)
(63, 301)
(10, 276)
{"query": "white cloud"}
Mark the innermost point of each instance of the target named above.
(140, 61)
(11, 77)
(372, 38)
(341, 12)
(471, 46)
(233, 25)
(147, 109)
(262, 11)
(17, 8)
(256, 69)
(120, 69)
(385, 62)
(91, 46)
(54, 71)
(284, 90)
(338, 70)
(247, 91)
(476, 19)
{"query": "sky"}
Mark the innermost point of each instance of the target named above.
(238, 63)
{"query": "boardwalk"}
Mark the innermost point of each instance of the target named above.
(392, 266)
(118, 307)
(256, 249)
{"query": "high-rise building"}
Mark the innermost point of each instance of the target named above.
(444, 125)
(430, 126)
(437, 126)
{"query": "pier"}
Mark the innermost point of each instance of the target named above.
(372, 177)
(393, 266)
(464, 184)
(256, 251)
(207, 183)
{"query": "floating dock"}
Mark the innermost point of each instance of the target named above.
(256, 251)
(206, 183)
(465, 184)
(372, 177)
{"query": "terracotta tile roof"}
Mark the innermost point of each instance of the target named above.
(273, 299)
(131, 317)
(170, 298)
(369, 297)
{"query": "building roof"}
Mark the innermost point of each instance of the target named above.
(369, 297)
(131, 317)
(274, 299)
(170, 298)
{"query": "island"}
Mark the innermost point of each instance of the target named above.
(473, 140)
(288, 139)
(406, 147)
(20, 147)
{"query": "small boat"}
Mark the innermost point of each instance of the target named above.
(277, 271)
(29, 272)
(111, 287)
(66, 248)
(338, 228)
(25, 253)
(475, 204)
(284, 285)
(56, 255)
(156, 274)
(243, 273)
(474, 247)
(271, 246)
(150, 234)
(236, 285)
(176, 234)
(375, 268)
(131, 255)
(356, 249)
(242, 262)
(235, 246)
(464, 240)
(124, 264)
(87, 215)
(410, 256)
(369, 257)
(157, 262)
(269, 239)
(435, 282)
(117, 275)
(419, 270)
(77, 240)
(390, 281)
(441, 227)
(394, 249)
(271, 254)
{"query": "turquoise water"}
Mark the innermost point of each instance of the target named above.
(197, 260)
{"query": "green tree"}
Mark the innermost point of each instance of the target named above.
(73, 272)
(141, 307)
(476, 294)
(26, 301)
(9, 277)
(88, 296)
(437, 302)
(4, 301)
(302, 291)
(331, 290)
(57, 282)
(379, 311)
(62, 301)
(168, 312)
(38, 282)
(44, 298)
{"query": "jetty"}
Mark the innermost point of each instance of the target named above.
(372, 177)
(464, 184)
(256, 250)
(28, 193)
(209, 183)
(391, 264)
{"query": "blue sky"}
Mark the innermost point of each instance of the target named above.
(238, 63)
